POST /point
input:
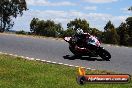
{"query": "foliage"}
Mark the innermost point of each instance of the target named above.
(110, 34)
(45, 28)
(79, 23)
(68, 32)
(130, 8)
(108, 26)
(96, 32)
(33, 25)
(123, 33)
(21, 32)
(8, 10)
(129, 25)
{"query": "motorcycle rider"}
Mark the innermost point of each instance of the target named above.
(90, 40)
(84, 44)
(79, 35)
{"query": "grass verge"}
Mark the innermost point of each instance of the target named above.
(16, 72)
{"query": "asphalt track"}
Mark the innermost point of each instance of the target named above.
(57, 51)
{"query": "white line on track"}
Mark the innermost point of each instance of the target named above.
(37, 59)
(43, 60)
(54, 62)
(28, 58)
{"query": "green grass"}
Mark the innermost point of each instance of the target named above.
(16, 72)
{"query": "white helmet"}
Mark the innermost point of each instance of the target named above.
(79, 31)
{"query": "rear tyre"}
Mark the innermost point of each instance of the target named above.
(104, 54)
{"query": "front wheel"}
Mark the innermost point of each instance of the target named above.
(104, 54)
(72, 49)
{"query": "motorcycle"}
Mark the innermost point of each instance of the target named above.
(84, 49)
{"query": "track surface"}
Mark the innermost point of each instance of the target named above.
(57, 50)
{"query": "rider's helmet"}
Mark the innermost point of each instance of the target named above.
(79, 31)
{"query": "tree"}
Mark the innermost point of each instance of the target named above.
(110, 34)
(79, 23)
(96, 32)
(45, 28)
(52, 28)
(123, 33)
(8, 10)
(130, 8)
(68, 32)
(129, 25)
(33, 25)
(21, 32)
(108, 26)
(41, 28)
(111, 37)
(114, 38)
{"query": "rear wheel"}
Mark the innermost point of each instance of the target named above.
(104, 54)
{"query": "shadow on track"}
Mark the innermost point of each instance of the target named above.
(73, 57)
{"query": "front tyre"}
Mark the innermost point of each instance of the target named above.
(104, 54)
(72, 49)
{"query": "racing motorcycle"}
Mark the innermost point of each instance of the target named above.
(81, 48)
